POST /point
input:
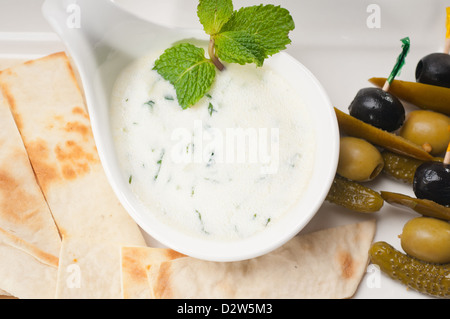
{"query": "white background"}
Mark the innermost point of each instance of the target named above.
(331, 38)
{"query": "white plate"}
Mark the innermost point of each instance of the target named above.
(332, 38)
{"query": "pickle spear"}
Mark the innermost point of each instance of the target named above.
(354, 196)
(424, 207)
(427, 278)
(425, 96)
(397, 144)
(400, 167)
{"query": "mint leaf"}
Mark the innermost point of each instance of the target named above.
(186, 68)
(265, 26)
(213, 14)
(239, 47)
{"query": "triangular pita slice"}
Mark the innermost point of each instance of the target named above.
(48, 107)
(24, 215)
(325, 264)
(26, 271)
(23, 209)
(136, 261)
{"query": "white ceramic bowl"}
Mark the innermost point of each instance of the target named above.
(105, 40)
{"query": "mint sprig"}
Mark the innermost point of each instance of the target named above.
(248, 35)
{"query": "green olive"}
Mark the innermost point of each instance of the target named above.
(427, 239)
(429, 129)
(359, 160)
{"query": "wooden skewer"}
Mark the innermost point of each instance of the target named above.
(447, 35)
(447, 46)
(447, 156)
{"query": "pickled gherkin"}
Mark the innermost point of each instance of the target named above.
(427, 278)
(400, 167)
(354, 196)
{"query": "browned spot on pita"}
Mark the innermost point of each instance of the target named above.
(172, 254)
(79, 150)
(162, 287)
(8, 96)
(16, 205)
(60, 54)
(72, 74)
(78, 128)
(68, 172)
(8, 72)
(18, 121)
(12, 105)
(347, 264)
(52, 56)
(80, 111)
(46, 172)
(73, 152)
(137, 261)
(133, 266)
(74, 160)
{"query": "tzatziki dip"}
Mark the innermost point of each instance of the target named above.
(226, 168)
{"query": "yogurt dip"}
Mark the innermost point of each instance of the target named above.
(226, 168)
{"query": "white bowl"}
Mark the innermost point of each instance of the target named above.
(102, 44)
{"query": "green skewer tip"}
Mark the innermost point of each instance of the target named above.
(400, 62)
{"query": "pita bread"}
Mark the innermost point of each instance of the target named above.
(325, 264)
(23, 209)
(24, 216)
(7, 63)
(50, 113)
(4, 294)
(136, 261)
(25, 271)
(87, 270)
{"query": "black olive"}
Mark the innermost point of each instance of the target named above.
(378, 108)
(434, 69)
(432, 182)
